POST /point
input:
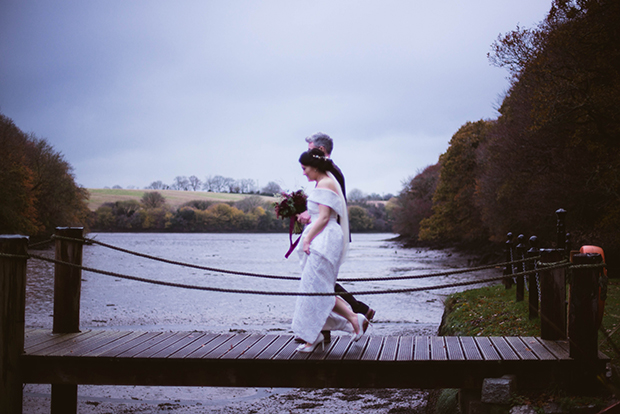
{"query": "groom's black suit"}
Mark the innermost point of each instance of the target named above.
(357, 306)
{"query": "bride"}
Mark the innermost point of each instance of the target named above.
(322, 251)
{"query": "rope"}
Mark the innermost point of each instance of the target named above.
(551, 266)
(240, 273)
(41, 243)
(256, 292)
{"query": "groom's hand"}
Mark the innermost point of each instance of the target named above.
(304, 218)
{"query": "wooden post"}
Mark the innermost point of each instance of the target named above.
(561, 228)
(12, 319)
(532, 282)
(582, 333)
(520, 279)
(67, 289)
(552, 297)
(508, 269)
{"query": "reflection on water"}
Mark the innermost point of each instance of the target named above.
(122, 304)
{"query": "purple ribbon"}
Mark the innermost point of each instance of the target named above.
(290, 237)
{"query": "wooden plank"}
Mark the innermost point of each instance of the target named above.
(558, 351)
(453, 346)
(275, 347)
(539, 349)
(146, 345)
(184, 350)
(357, 349)
(288, 352)
(521, 348)
(405, 348)
(204, 349)
(36, 337)
(421, 349)
(167, 343)
(124, 345)
(339, 350)
(320, 353)
(54, 340)
(259, 347)
(390, 348)
(438, 349)
(62, 345)
(470, 349)
(242, 347)
(373, 349)
(236, 344)
(84, 345)
(115, 342)
(486, 349)
(505, 351)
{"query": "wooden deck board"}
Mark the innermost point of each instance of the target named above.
(242, 360)
(470, 349)
(390, 348)
(405, 349)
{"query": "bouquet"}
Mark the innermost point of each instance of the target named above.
(288, 207)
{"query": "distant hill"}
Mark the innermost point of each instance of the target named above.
(174, 198)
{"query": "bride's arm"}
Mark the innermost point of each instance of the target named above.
(317, 226)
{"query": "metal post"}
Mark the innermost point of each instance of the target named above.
(533, 279)
(67, 290)
(12, 320)
(508, 269)
(520, 279)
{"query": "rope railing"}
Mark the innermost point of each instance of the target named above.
(265, 276)
(551, 266)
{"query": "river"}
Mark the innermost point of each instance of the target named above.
(116, 303)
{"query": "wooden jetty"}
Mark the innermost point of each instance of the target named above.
(253, 360)
(67, 356)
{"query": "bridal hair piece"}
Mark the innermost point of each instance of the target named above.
(316, 158)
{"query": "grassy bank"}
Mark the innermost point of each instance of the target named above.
(174, 198)
(493, 311)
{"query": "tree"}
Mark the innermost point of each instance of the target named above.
(153, 199)
(455, 214)
(271, 188)
(248, 204)
(355, 195)
(359, 220)
(181, 183)
(194, 183)
(556, 141)
(156, 185)
(415, 201)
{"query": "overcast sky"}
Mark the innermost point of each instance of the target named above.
(131, 92)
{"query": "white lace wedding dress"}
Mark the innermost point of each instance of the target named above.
(328, 249)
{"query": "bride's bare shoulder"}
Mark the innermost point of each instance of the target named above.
(327, 183)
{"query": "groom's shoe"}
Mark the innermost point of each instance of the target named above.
(327, 336)
(370, 314)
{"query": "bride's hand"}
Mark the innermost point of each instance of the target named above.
(306, 246)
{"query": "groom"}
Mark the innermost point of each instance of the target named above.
(326, 144)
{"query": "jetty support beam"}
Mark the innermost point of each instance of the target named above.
(12, 320)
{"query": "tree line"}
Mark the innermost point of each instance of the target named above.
(37, 186)
(555, 143)
(250, 214)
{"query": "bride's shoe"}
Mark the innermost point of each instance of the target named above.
(362, 324)
(306, 347)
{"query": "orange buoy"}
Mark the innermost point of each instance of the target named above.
(602, 289)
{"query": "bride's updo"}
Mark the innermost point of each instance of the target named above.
(317, 159)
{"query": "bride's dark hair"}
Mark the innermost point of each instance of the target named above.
(317, 159)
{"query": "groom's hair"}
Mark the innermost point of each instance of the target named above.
(321, 139)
